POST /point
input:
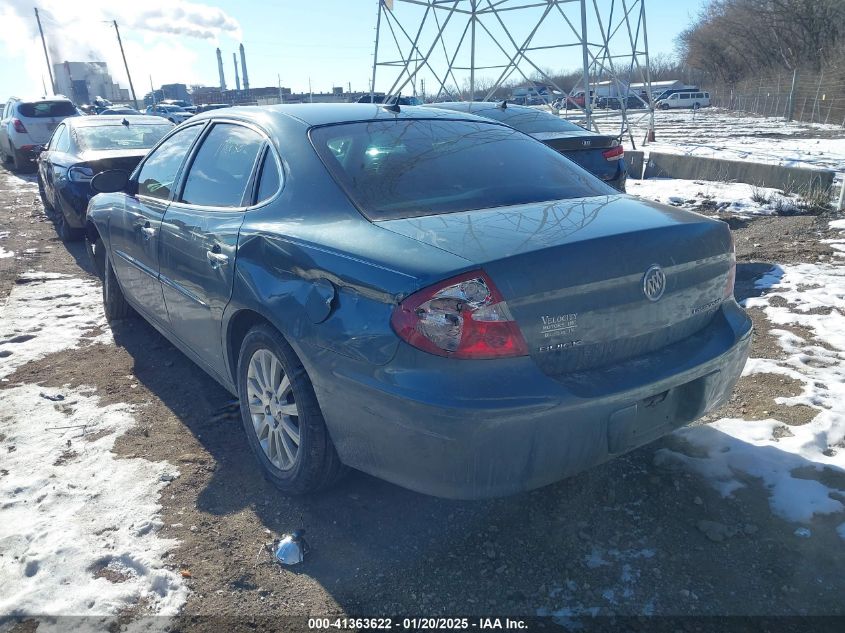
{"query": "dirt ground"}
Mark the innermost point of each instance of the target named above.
(625, 538)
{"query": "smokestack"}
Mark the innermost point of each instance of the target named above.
(220, 69)
(237, 79)
(243, 68)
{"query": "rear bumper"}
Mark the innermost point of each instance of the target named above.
(621, 177)
(474, 429)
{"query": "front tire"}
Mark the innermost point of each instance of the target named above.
(114, 303)
(665, 106)
(281, 416)
(65, 231)
(48, 208)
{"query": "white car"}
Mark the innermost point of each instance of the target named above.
(172, 113)
(685, 99)
(27, 124)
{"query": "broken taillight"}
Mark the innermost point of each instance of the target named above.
(462, 317)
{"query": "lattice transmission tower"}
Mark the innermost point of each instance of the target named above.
(474, 49)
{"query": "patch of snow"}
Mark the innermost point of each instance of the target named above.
(726, 197)
(837, 224)
(788, 464)
(77, 524)
(4, 253)
(45, 313)
(718, 133)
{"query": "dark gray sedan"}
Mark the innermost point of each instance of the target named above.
(428, 296)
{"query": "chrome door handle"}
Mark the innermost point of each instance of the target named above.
(216, 259)
(148, 232)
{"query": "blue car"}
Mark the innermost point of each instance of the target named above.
(431, 297)
(600, 154)
(79, 148)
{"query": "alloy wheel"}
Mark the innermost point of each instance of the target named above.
(272, 408)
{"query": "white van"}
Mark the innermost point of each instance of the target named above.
(685, 99)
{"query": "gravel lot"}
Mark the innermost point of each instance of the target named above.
(625, 538)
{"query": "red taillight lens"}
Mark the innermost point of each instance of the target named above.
(614, 153)
(462, 317)
(19, 126)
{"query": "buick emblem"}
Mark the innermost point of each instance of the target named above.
(654, 283)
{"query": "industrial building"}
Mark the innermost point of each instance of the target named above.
(83, 81)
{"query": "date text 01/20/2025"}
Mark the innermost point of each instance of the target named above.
(417, 624)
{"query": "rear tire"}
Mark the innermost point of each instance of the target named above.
(114, 303)
(315, 464)
(19, 162)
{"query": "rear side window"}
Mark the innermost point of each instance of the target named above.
(221, 171)
(46, 109)
(685, 96)
(270, 180)
(158, 174)
(408, 168)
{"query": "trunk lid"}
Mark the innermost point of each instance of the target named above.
(573, 272)
(102, 160)
(585, 149)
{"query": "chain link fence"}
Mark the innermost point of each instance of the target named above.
(813, 97)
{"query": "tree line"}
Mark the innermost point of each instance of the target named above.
(733, 40)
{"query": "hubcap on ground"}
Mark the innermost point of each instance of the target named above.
(273, 409)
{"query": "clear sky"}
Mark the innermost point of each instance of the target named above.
(329, 42)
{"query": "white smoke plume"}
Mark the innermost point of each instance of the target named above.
(83, 31)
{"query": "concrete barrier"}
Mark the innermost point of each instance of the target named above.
(634, 163)
(798, 179)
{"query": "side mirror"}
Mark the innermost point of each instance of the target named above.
(110, 181)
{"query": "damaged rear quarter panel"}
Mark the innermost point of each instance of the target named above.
(325, 276)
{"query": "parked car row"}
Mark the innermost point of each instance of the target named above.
(442, 296)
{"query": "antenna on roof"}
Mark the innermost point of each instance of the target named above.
(394, 105)
(125, 121)
(503, 105)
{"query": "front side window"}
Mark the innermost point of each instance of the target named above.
(408, 168)
(158, 174)
(221, 171)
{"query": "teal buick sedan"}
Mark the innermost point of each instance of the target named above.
(425, 295)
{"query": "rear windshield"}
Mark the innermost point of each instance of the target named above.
(529, 120)
(47, 109)
(409, 168)
(132, 136)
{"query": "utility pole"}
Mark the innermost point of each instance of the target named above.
(126, 66)
(152, 91)
(281, 95)
(46, 56)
